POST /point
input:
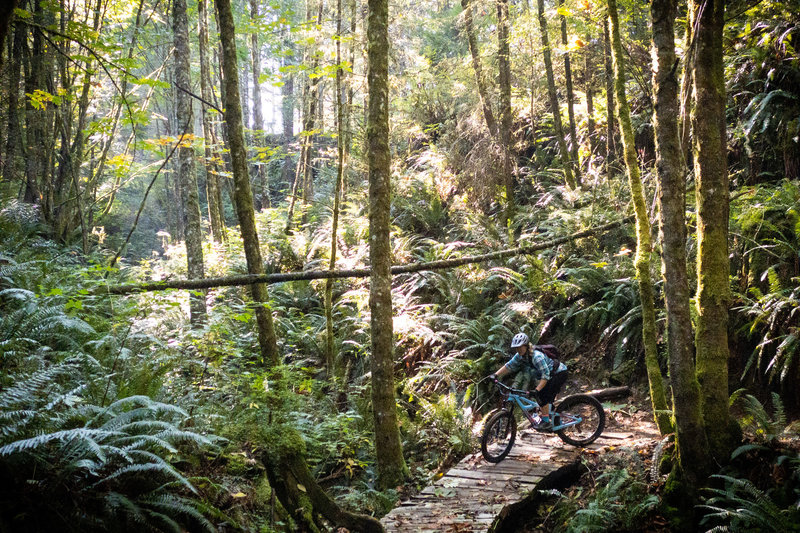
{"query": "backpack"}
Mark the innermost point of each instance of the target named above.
(550, 351)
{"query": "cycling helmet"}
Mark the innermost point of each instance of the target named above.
(519, 339)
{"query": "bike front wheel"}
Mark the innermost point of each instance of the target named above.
(499, 435)
(586, 416)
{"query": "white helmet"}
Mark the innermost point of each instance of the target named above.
(519, 339)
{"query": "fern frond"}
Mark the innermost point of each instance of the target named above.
(161, 467)
(175, 505)
(87, 436)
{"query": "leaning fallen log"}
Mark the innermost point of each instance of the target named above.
(249, 279)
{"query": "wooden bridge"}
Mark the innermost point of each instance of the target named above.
(472, 494)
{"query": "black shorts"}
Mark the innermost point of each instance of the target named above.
(553, 387)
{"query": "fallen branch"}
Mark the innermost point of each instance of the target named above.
(249, 279)
(610, 393)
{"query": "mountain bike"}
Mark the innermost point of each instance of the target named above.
(578, 420)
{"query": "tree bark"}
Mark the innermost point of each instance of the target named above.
(644, 246)
(573, 131)
(592, 134)
(330, 355)
(690, 436)
(504, 81)
(212, 176)
(243, 196)
(611, 145)
(6, 14)
(283, 455)
(712, 193)
(13, 154)
(304, 175)
(262, 200)
(391, 466)
(287, 116)
(474, 51)
(551, 91)
(187, 176)
(35, 147)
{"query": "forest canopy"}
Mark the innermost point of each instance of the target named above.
(257, 259)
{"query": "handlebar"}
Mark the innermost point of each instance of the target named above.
(505, 390)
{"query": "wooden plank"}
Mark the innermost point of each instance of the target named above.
(615, 436)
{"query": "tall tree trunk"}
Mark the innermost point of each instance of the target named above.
(644, 246)
(76, 152)
(243, 196)
(6, 14)
(554, 105)
(573, 131)
(287, 114)
(474, 51)
(262, 199)
(712, 190)
(312, 122)
(330, 355)
(504, 81)
(687, 83)
(611, 144)
(10, 171)
(690, 436)
(589, 79)
(304, 174)
(212, 176)
(187, 176)
(391, 466)
(35, 146)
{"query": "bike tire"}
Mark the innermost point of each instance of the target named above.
(499, 435)
(592, 425)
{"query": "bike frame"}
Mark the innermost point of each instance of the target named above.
(529, 407)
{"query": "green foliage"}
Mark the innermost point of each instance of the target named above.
(620, 503)
(740, 506)
(68, 463)
(443, 424)
(757, 421)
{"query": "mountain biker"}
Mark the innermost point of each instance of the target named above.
(540, 367)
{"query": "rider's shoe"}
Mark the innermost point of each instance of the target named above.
(544, 425)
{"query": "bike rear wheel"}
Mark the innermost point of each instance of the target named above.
(592, 419)
(499, 435)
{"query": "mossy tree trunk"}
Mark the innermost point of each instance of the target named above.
(690, 436)
(283, 456)
(243, 196)
(712, 194)
(573, 130)
(212, 175)
(591, 126)
(6, 14)
(341, 139)
(554, 105)
(303, 180)
(477, 68)
(391, 465)
(13, 156)
(287, 110)
(187, 176)
(262, 199)
(504, 81)
(611, 146)
(644, 244)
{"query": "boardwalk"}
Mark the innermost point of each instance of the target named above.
(473, 492)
